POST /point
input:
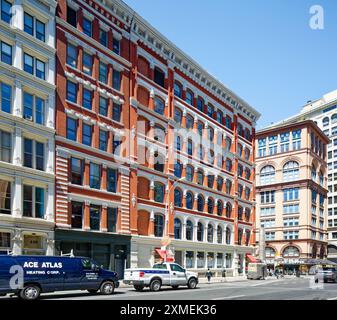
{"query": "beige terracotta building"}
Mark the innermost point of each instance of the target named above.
(291, 190)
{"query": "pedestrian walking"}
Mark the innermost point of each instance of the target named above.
(224, 274)
(209, 275)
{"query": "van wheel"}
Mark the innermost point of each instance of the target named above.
(155, 285)
(107, 287)
(192, 283)
(138, 288)
(30, 292)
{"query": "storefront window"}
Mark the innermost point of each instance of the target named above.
(228, 260)
(189, 259)
(33, 245)
(200, 260)
(5, 241)
(219, 260)
(210, 260)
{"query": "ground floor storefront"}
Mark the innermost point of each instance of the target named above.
(194, 256)
(26, 236)
(110, 250)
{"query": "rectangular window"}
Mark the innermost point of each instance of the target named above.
(5, 146)
(103, 37)
(40, 31)
(103, 140)
(28, 24)
(116, 146)
(87, 99)
(87, 27)
(6, 11)
(28, 106)
(33, 108)
(95, 176)
(6, 53)
(71, 129)
(103, 106)
(33, 202)
(86, 134)
(291, 194)
(269, 211)
(112, 219)
(39, 110)
(76, 215)
(116, 112)
(72, 16)
(6, 98)
(291, 209)
(71, 91)
(28, 63)
(39, 156)
(116, 46)
(40, 71)
(87, 64)
(95, 217)
(103, 72)
(112, 180)
(5, 197)
(72, 55)
(290, 235)
(267, 197)
(33, 154)
(116, 80)
(76, 171)
(28, 153)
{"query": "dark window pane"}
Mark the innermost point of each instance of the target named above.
(6, 97)
(95, 176)
(27, 201)
(5, 197)
(116, 81)
(27, 106)
(39, 156)
(6, 53)
(71, 91)
(86, 135)
(39, 203)
(112, 219)
(72, 17)
(112, 180)
(76, 215)
(159, 77)
(87, 99)
(87, 27)
(76, 171)
(95, 215)
(40, 30)
(28, 24)
(71, 129)
(28, 153)
(6, 8)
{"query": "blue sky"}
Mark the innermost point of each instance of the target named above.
(263, 50)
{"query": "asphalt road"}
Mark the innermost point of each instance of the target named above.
(270, 289)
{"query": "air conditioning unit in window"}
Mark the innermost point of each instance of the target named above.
(30, 118)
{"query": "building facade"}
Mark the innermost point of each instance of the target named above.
(27, 126)
(291, 193)
(151, 150)
(324, 113)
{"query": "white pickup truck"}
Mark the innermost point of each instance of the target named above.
(161, 274)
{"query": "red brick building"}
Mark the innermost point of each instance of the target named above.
(150, 148)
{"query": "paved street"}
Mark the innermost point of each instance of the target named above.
(270, 289)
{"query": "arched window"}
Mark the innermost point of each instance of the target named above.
(158, 225)
(247, 173)
(247, 134)
(219, 183)
(177, 228)
(189, 200)
(228, 122)
(219, 207)
(178, 169)
(247, 154)
(200, 177)
(228, 143)
(240, 213)
(189, 97)
(219, 234)
(189, 147)
(269, 252)
(158, 162)
(291, 251)
(210, 110)
(189, 173)
(228, 186)
(247, 240)
(228, 165)
(159, 77)
(159, 105)
(247, 214)
(200, 104)
(228, 210)
(178, 143)
(159, 134)
(210, 233)
(201, 203)
(228, 235)
(210, 180)
(267, 175)
(178, 89)
(159, 190)
(200, 232)
(210, 134)
(313, 173)
(178, 199)
(326, 121)
(291, 171)
(177, 115)
(189, 122)
(334, 118)
(210, 205)
(201, 152)
(240, 130)
(240, 170)
(240, 150)
(219, 116)
(189, 230)
(240, 233)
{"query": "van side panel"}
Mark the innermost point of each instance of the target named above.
(8, 272)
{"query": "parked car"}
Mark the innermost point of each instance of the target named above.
(162, 274)
(29, 276)
(326, 274)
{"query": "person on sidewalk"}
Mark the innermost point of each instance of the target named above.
(209, 275)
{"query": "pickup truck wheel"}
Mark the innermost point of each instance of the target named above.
(30, 292)
(107, 287)
(155, 285)
(138, 288)
(192, 283)
(175, 287)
